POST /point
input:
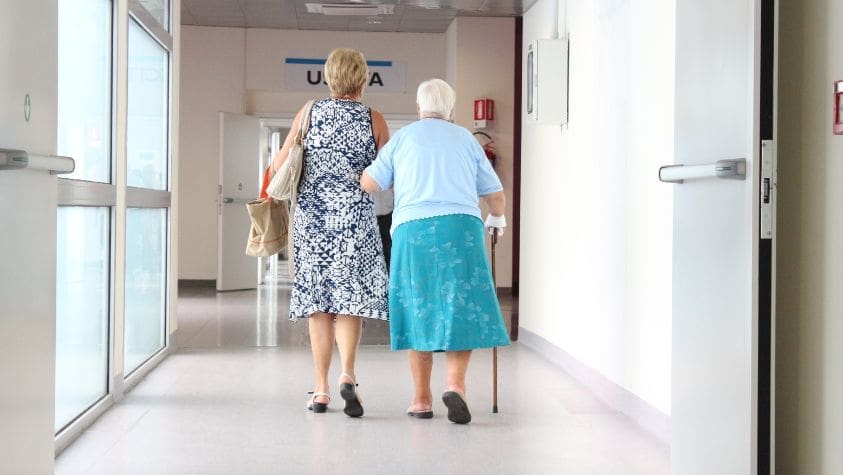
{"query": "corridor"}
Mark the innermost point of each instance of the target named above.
(231, 399)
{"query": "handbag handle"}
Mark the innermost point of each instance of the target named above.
(304, 125)
(304, 122)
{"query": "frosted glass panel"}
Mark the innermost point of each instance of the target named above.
(148, 111)
(84, 87)
(82, 310)
(146, 278)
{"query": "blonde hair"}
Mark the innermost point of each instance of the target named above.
(435, 96)
(346, 72)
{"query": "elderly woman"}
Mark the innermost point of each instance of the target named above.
(340, 276)
(441, 295)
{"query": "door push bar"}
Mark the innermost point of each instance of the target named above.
(11, 159)
(731, 169)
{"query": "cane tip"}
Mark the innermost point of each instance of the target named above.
(495, 409)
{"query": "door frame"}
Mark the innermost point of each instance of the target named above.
(768, 30)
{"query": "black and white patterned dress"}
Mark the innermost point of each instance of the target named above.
(338, 258)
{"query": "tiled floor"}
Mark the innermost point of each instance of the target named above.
(232, 401)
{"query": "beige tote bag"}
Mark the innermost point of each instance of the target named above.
(269, 230)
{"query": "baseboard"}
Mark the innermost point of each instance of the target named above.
(618, 398)
(197, 283)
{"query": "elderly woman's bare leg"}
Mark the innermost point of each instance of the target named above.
(321, 329)
(454, 397)
(421, 365)
(348, 330)
(457, 367)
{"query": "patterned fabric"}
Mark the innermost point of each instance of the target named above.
(441, 294)
(338, 255)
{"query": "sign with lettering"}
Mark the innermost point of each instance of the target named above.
(307, 74)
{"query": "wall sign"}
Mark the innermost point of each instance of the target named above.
(306, 74)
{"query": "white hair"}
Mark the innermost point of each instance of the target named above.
(435, 96)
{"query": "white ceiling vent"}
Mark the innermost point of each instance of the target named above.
(349, 9)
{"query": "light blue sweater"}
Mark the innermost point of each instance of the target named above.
(436, 168)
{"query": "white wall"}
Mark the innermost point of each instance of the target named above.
(212, 80)
(451, 53)
(28, 238)
(596, 223)
(481, 65)
(809, 302)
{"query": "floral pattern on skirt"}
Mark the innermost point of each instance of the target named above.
(441, 294)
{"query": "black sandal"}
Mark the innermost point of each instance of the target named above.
(426, 414)
(348, 391)
(458, 412)
(318, 407)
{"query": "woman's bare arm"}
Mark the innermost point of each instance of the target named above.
(281, 156)
(368, 184)
(496, 202)
(379, 129)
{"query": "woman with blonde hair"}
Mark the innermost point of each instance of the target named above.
(441, 294)
(339, 272)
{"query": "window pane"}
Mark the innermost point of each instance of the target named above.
(147, 111)
(84, 87)
(160, 10)
(146, 278)
(82, 310)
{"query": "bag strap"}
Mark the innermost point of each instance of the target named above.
(304, 121)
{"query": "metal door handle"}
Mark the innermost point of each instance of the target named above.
(11, 159)
(731, 169)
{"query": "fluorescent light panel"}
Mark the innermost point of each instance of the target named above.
(349, 9)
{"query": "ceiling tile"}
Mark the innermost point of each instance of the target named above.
(214, 8)
(428, 16)
(230, 21)
(321, 22)
(186, 16)
(286, 22)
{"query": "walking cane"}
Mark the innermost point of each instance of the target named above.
(494, 349)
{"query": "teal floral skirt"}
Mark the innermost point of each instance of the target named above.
(441, 295)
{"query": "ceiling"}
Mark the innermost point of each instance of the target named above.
(417, 16)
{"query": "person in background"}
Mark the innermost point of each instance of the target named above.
(384, 204)
(441, 294)
(340, 275)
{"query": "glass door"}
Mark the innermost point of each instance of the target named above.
(84, 217)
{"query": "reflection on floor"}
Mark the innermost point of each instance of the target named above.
(232, 400)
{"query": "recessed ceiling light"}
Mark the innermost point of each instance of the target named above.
(427, 4)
